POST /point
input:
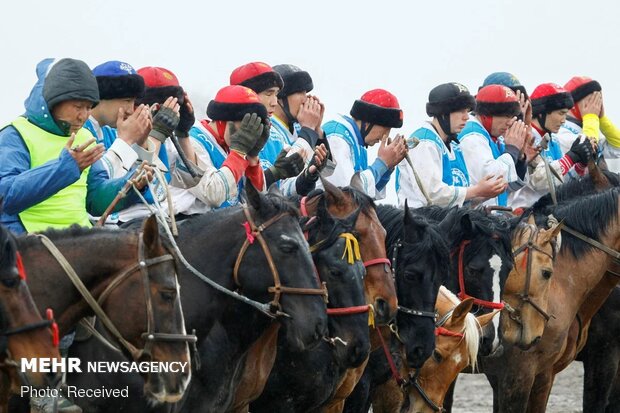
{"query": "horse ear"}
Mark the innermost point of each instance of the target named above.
(599, 179)
(467, 225)
(447, 222)
(150, 234)
(252, 195)
(551, 233)
(334, 195)
(485, 319)
(356, 182)
(406, 218)
(461, 310)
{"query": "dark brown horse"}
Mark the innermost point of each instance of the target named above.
(23, 333)
(133, 278)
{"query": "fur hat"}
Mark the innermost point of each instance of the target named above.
(581, 86)
(295, 80)
(497, 100)
(449, 97)
(258, 76)
(549, 97)
(69, 79)
(118, 80)
(232, 103)
(378, 107)
(160, 85)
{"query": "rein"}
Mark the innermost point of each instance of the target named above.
(143, 264)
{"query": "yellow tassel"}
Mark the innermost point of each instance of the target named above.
(371, 316)
(351, 248)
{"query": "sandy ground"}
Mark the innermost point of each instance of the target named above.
(474, 395)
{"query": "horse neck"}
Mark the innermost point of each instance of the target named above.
(97, 259)
(243, 326)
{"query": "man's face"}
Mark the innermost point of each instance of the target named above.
(295, 101)
(555, 120)
(75, 112)
(458, 120)
(269, 98)
(376, 133)
(501, 124)
(107, 110)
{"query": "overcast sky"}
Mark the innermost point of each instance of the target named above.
(348, 47)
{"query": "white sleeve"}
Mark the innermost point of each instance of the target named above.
(538, 176)
(341, 154)
(119, 158)
(427, 161)
(480, 162)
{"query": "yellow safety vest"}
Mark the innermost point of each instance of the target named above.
(67, 206)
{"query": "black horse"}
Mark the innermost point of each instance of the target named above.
(301, 382)
(420, 260)
(212, 243)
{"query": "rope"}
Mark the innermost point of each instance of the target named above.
(351, 248)
(413, 141)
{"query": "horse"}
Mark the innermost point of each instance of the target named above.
(420, 259)
(23, 333)
(301, 382)
(458, 337)
(526, 290)
(522, 380)
(134, 284)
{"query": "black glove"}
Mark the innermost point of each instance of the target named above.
(164, 123)
(580, 152)
(309, 135)
(287, 166)
(186, 122)
(261, 141)
(245, 138)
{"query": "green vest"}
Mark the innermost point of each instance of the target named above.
(67, 206)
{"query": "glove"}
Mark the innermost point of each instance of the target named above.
(287, 166)
(164, 123)
(580, 152)
(261, 141)
(245, 138)
(185, 123)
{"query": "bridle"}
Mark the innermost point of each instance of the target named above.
(254, 232)
(462, 294)
(528, 248)
(143, 264)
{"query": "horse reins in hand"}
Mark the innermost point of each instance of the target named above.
(254, 232)
(515, 314)
(142, 265)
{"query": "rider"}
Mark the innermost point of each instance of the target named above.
(588, 117)
(49, 174)
(437, 158)
(372, 119)
(493, 139)
(550, 106)
(267, 83)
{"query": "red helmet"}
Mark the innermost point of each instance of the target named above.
(497, 100)
(549, 97)
(581, 86)
(258, 76)
(378, 107)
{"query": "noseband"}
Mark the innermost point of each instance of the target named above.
(254, 232)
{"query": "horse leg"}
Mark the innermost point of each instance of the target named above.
(346, 386)
(387, 398)
(513, 390)
(541, 389)
(599, 374)
(614, 395)
(449, 399)
(359, 399)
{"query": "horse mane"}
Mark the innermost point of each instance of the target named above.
(591, 215)
(74, 231)
(471, 331)
(365, 202)
(7, 248)
(392, 219)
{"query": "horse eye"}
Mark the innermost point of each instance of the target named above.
(411, 275)
(168, 295)
(288, 247)
(547, 274)
(10, 282)
(334, 272)
(437, 356)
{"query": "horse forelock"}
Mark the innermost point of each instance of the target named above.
(472, 332)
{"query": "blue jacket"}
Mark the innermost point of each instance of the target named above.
(22, 187)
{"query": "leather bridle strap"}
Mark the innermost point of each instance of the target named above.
(462, 295)
(376, 261)
(609, 251)
(254, 232)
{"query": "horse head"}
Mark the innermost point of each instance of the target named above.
(526, 292)
(378, 284)
(337, 257)
(421, 263)
(274, 264)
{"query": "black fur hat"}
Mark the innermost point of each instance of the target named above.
(449, 97)
(295, 80)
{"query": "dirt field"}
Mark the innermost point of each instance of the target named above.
(474, 395)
